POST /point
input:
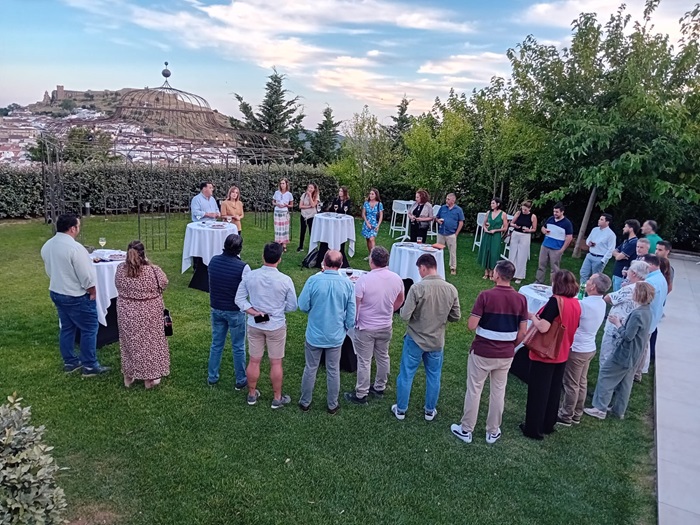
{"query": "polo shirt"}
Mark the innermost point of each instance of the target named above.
(500, 311)
(592, 316)
(68, 266)
(653, 239)
(629, 248)
(556, 244)
(452, 218)
(377, 292)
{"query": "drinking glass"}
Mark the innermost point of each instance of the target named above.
(198, 215)
(335, 208)
(419, 240)
(229, 219)
(102, 241)
(345, 209)
(349, 272)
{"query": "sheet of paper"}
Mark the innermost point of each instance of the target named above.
(556, 232)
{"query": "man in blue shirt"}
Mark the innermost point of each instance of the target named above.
(329, 299)
(450, 217)
(658, 281)
(558, 233)
(203, 204)
(625, 252)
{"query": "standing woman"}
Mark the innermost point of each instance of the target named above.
(546, 375)
(523, 224)
(308, 204)
(283, 201)
(233, 207)
(144, 348)
(495, 223)
(342, 203)
(372, 215)
(420, 215)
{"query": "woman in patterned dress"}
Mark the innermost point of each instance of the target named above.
(372, 214)
(144, 348)
(283, 201)
(495, 223)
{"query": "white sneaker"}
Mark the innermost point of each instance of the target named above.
(429, 416)
(593, 411)
(492, 438)
(461, 434)
(399, 415)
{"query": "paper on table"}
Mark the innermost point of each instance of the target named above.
(556, 232)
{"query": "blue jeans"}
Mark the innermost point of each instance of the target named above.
(617, 282)
(77, 314)
(591, 264)
(411, 358)
(223, 322)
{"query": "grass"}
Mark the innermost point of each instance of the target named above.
(189, 454)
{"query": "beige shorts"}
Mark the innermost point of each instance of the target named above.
(275, 340)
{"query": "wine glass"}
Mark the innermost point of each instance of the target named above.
(229, 219)
(335, 208)
(198, 215)
(318, 207)
(349, 272)
(419, 240)
(102, 242)
(345, 209)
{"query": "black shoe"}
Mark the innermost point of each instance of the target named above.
(69, 369)
(211, 383)
(352, 397)
(95, 371)
(525, 432)
(241, 386)
(300, 249)
(304, 408)
(563, 422)
(379, 394)
(333, 411)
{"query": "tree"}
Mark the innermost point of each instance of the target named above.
(324, 143)
(276, 114)
(80, 145)
(68, 104)
(402, 123)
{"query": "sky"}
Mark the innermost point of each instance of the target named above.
(341, 53)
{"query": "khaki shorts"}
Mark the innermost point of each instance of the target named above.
(275, 340)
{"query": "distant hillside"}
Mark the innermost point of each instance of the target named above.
(104, 100)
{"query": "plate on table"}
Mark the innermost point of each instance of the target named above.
(428, 249)
(217, 226)
(117, 257)
(404, 244)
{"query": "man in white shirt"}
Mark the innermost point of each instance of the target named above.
(601, 243)
(72, 289)
(582, 350)
(266, 294)
(203, 204)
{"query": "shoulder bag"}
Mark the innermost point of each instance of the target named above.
(167, 320)
(547, 345)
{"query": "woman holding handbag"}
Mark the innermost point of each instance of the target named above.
(144, 348)
(549, 342)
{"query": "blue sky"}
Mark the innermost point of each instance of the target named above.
(342, 53)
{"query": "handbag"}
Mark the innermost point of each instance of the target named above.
(167, 319)
(547, 345)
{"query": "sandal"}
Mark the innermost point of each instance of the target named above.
(128, 381)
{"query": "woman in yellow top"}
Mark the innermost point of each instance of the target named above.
(233, 207)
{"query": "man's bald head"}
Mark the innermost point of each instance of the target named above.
(333, 260)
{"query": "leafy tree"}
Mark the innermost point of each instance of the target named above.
(80, 145)
(402, 123)
(68, 104)
(324, 143)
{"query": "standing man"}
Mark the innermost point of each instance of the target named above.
(558, 233)
(378, 295)
(329, 299)
(450, 217)
(582, 350)
(226, 271)
(430, 304)
(266, 294)
(625, 252)
(72, 280)
(500, 319)
(649, 229)
(643, 247)
(203, 203)
(601, 243)
(658, 281)
(663, 250)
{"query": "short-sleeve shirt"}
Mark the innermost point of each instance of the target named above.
(285, 197)
(629, 248)
(500, 311)
(452, 218)
(556, 244)
(377, 291)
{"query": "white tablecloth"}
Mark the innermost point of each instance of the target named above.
(201, 240)
(105, 290)
(403, 261)
(334, 230)
(537, 296)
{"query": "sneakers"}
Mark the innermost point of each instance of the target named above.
(492, 438)
(279, 403)
(453, 272)
(300, 249)
(379, 394)
(241, 386)
(429, 416)
(95, 371)
(398, 413)
(252, 399)
(304, 408)
(69, 369)
(352, 397)
(563, 422)
(594, 412)
(212, 383)
(461, 434)
(333, 411)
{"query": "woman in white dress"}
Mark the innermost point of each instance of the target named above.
(283, 202)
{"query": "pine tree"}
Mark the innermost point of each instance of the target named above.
(402, 123)
(324, 143)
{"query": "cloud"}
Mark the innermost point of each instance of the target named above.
(480, 66)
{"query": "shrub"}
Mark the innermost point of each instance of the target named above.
(28, 490)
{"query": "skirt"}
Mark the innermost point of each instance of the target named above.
(282, 222)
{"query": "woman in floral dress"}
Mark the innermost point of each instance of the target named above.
(372, 215)
(144, 348)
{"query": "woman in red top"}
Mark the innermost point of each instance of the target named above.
(544, 384)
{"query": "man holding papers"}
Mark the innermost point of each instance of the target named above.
(558, 233)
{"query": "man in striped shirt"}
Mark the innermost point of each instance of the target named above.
(500, 319)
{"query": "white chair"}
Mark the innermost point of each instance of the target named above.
(399, 219)
(506, 246)
(480, 218)
(433, 230)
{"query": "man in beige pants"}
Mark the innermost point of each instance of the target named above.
(500, 319)
(450, 218)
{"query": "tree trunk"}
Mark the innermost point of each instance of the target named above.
(584, 222)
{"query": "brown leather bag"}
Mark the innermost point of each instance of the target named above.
(547, 345)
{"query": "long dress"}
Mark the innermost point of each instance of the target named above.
(490, 249)
(144, 348)
(372, 214)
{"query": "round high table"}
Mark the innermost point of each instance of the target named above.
(334, 229)
(537, 296)
(404, 256)
(106, 295)
(203, 240)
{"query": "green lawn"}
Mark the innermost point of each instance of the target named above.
(189, 454)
